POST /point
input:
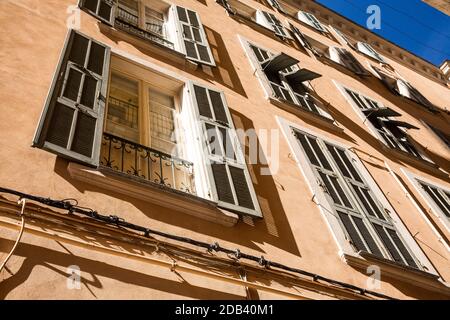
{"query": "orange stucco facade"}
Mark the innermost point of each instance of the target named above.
(115, 264)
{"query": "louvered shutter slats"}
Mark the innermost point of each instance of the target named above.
(102, 9)
(72, 121)
(233, 187)
(194, 38)
(352, 199)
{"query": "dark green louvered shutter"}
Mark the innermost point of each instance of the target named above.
(193, 36)
(101, 9)
(72, 121)
(231, 183)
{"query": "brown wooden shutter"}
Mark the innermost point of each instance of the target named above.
(72, 121)
(101, 9)
(231, 183)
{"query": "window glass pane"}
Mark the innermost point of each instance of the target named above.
(154, 21)
(162, 122)
(123, 108)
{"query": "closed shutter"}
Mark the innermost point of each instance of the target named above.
(359, 211)
(439, 197)
(193, 36)
(231, 183)
(72, 121)
(339, 197)
(101, 9)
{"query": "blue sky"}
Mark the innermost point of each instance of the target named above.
(411, 24)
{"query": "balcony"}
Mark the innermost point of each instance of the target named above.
(144, 163)
(129, 22)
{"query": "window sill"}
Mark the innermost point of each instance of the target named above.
(157, 48)
(153, 193)
(299, 111)
(420, 278)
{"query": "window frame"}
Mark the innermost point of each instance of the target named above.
(376, 132)
(369, 51)
(144, 125)
(262, 20)
(416, 181)
(265, 83)
(345, 249)
(312, 21)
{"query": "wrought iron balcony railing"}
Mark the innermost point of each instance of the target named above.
(146, 163)
(129, 23)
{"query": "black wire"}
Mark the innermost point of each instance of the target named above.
(117, 221)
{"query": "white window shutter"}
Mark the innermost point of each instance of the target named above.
(368, 50)
(192, 36)
(311, 20)
(72, 120)
(231, 184)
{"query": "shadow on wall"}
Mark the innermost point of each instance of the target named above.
(92, 270)
(224, 73)
(274, 229)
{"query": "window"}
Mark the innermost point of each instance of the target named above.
(391, 132)
(440, 197)
(276, 5)
(360, 213)
(284, 80)
(369, 51)
(437, 197)
(101, 9)
(156, 128)
(269, 20)
(311, 20)
(401, 87)
(163, 24)
(346, 59)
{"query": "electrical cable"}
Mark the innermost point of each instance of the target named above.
(236, 254)
(22, 226)
(402, 32)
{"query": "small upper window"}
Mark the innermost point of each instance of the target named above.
(369, 51)
(311, 20)
(392, 132)
(269, 20)
(286, 80)
(158, 22)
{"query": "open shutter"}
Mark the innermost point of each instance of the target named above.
(368, 50)
(230, 180)
(301, 38)
(345, 58)
(311, 20)
(276, 5)
(101, 9)
(72, 121)
(193, 36)
(273, 23)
